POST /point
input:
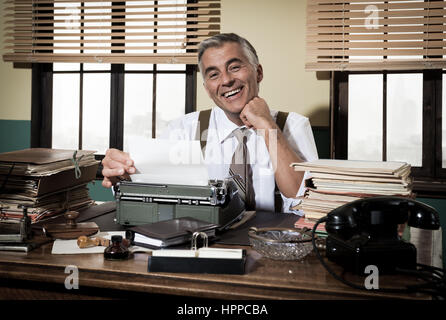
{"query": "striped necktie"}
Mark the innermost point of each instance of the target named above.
(241, 168)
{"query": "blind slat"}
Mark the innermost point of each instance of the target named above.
(101, 58)
(346, 35)
(389, 21)
(108, 14)
(378, 45)
(379, 14)
(374, 66)
(19, 8)
(377, 52)
(375, 37)
(205, 26)
(382, 29)
(108, 40)
(69, 30)
(114, 20)
(39, 2)
(380, 6)
(71, 48)
(325, 2)
(109, 33)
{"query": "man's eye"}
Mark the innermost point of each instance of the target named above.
(213, 75)
(235, 68)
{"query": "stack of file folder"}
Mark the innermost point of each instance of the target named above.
(47, 181)
(334, 183)
(169, 233)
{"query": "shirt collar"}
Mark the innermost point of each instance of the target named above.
(225, 127)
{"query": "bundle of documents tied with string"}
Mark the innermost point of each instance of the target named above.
(46, 181)
(336, 182)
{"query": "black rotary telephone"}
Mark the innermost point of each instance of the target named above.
(365, 232)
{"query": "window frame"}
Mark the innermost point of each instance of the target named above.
(430, 178)
(42, 104)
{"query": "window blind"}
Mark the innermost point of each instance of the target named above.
(113, 31)
(375, 35)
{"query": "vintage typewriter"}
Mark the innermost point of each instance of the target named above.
(141, 203)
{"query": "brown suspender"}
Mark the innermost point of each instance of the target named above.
(202, 135)
(202, 129)
(281, 119)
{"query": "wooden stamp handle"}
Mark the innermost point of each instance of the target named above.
(71, 216)
(85, 242)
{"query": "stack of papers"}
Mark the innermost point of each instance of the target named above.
(40, 162)
(334, 183)
(47, 181)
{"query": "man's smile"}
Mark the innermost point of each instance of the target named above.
(233, 94)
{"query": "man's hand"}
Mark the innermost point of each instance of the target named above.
(117, 166)
(256, 114)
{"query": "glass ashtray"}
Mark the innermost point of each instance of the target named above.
(281, 243)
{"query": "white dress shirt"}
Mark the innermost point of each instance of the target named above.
(221, 145)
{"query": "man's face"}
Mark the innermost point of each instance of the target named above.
(230, 80)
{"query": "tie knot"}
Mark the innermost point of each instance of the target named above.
(241, 134)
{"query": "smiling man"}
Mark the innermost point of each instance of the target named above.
(241, 130)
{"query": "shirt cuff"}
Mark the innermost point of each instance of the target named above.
(289, 203)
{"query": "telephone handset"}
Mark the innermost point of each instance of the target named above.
(365, 232)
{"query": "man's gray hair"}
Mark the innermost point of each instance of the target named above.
(220, 39)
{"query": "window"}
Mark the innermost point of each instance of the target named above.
(392, 116)
(386, 60)
(97, 106)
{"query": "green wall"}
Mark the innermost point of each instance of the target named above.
(98, 192)
(322, 139)
(14, 135)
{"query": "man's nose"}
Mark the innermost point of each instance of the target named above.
(227, 79)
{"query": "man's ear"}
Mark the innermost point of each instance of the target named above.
(259, 73)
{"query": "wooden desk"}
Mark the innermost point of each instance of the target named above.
(39, 274)
(265, 279)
